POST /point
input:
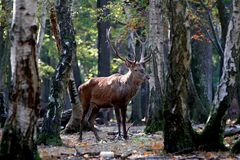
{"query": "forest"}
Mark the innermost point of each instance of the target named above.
(119, 79)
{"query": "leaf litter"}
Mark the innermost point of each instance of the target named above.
(138, 146)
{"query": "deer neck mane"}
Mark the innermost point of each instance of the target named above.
(129, 79)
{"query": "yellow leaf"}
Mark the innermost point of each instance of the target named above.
(147, 153)
(157, 146)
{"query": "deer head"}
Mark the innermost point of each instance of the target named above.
(136, 68)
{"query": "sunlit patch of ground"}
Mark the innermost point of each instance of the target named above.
(139, 146)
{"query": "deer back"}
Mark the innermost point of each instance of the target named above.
(107, 91)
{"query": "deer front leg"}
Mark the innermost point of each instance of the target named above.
(123, 112)
(118, 117)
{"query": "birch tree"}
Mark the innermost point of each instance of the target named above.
(225, 90)
(19, 131)
(178, 133)
(156, 46)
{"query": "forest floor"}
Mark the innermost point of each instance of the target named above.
(138, 146)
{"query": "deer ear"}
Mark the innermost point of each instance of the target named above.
(128, 64)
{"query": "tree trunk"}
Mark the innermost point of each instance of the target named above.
(202, 76)
(3, 110)
(136, 115)
(154, 117)
(224, 20)
(76, 70)
(2, 43)
(178, 133)
(198, 112)
(156, 46)
(42, 29)
(19, 131)
(5, 68)
(103, 51)
(144, 98)
(74, 123)
(212, 136)
(50, 133)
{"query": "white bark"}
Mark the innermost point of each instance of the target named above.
(20, 127)
(156, 38)
(231, 56)
(225, 90)
(24, 29)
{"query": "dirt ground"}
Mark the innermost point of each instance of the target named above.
(138, 146)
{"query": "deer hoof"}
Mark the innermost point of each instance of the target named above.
(125, 137)
(119, 137)
(80, 139)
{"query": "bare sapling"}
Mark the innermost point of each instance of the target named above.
(115, 91)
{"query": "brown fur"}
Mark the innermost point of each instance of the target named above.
(114, 91)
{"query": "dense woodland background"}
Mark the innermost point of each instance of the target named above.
(51, 47)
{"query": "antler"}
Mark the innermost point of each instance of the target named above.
(143, 59)
(146, 59)
(114, 48)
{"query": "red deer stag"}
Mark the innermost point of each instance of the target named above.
(114, 91)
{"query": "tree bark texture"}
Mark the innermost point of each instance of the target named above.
(156, 46)
(178, 136)
(197, 111)
(3, 110)
(136, 114)
(74, 123)
(103, 51)
(225, 90)
(50, 133)
(41, 31)
(5, 68)
(202, 75)
(19, 131)
(156, 42)
(224, 20)
(103, 47)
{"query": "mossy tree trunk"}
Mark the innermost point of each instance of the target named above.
(178, 133)
(50, 133)
(73, 124)
(156, 46)
(212, 136)
(19, 130)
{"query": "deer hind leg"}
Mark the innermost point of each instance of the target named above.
(95, 111)
(82, 123)
(118, 117)
(123, 113)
